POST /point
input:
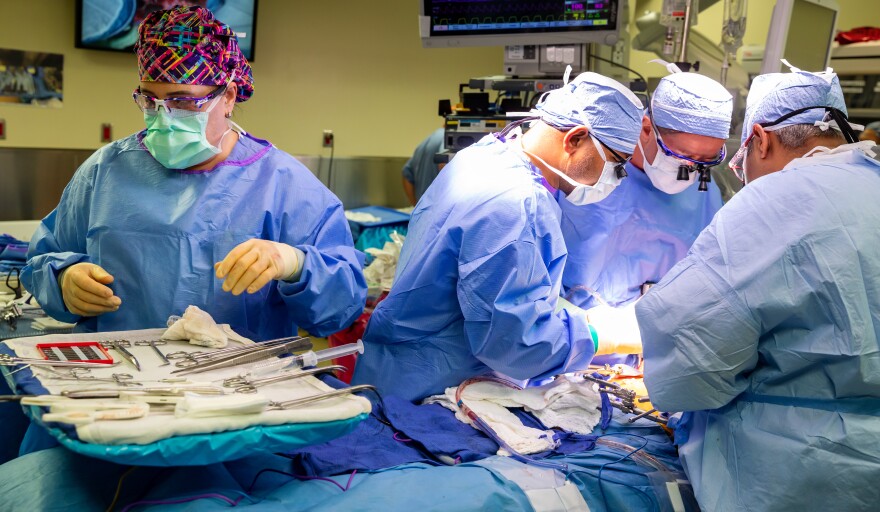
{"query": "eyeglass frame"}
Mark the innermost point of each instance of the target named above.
(839, 117)
(199, 100)
(722, 154)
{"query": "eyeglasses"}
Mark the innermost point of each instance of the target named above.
(620, 160)
(150, 105)
(668, 152)
(736, 163)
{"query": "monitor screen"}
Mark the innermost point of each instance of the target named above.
(113, 24)
(511, 22)
(810, 33)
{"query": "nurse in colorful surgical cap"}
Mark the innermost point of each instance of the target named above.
(193, 210)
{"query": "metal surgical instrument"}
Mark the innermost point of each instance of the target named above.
(258, 353)
(6, 360)
(192, 358)
(290, 404)
(121, 346)
(153, 344)
(121, 379)
(244, 385)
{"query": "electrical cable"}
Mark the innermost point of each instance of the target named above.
(302, 477)
(232, 503)
(621, 459)
(119, 487)
(609, 61)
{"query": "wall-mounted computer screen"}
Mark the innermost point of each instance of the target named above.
(113, 24)
(444, 23)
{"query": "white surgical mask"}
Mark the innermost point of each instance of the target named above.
(583, 195)
(663, 172)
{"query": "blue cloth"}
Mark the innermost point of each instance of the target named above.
(633, 236)
(42, 480)
(429, 434)
(420, 170)
(774, 95)
(160, 231)
(607, 108)
(768, 330)
(476, 284)
(692, 103)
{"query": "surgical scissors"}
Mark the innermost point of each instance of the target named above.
(153, 344)
(243, 385)
(121, 346)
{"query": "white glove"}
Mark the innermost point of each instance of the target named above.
(84, 290)
(252, 264)
(617, 329)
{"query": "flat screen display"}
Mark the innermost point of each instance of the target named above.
(501, 17)
(113, 24)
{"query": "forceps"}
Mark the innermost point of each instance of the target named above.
(121, 346)
(154, 344)
(82, 374)
(243, 385)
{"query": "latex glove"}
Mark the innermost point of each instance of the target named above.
(617, 329)
(252, 264)
(85, 291)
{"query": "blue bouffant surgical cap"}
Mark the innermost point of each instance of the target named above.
(692, 103)
(608, 109)
(776, 94)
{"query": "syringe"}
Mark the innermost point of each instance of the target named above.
(305, 359)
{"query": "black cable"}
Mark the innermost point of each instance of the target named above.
(330, 167)
(609, 61)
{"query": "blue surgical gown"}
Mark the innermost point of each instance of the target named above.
(633, 236)
(477, 283)
(160, 231)
(770, 330)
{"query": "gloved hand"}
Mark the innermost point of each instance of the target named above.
(252, 264)
(84, 290)
(617, 329)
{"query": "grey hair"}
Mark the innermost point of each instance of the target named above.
(797, 136)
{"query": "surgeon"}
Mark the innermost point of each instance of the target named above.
(768, 329)
(480, 273)
(619, 247)
(195, 211)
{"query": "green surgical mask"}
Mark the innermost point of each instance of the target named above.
(178, 139)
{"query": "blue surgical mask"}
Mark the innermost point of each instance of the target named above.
(178, 139)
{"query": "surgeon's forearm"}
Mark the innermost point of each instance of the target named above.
(410, 190)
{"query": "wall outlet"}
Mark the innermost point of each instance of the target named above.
(327, 140)
(106, 132)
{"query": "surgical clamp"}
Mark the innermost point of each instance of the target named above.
(290, 404)
(121, 346)
(154, 344)
(191, 359)
(257, 353)
(243, 385)
(7, 360)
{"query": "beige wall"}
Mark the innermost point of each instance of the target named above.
(366, 77)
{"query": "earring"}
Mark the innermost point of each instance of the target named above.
(228, 114)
